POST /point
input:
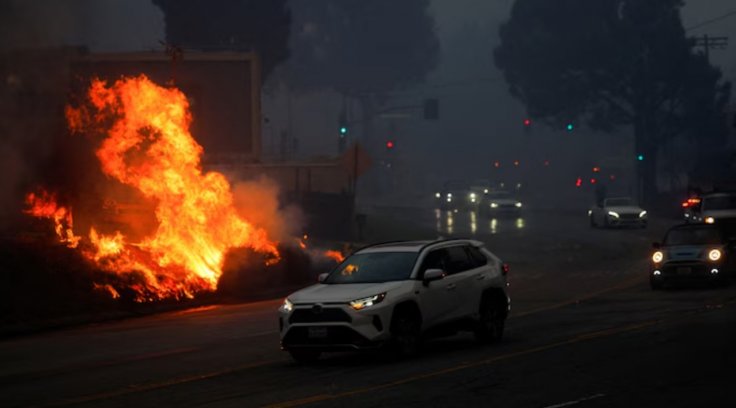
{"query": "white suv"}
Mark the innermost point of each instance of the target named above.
(396, 294)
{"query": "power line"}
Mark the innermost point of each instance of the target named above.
(711, 21)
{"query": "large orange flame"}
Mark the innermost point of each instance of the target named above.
(147, 145)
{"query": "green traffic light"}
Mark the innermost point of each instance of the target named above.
(640, 157)
(343, 130)
(570, 127)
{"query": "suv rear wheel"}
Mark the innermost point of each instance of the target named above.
(492, 320)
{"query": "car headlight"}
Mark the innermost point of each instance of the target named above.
(494, 205)
(613, 214)
(449, 195)
(449, 199)
(642, 214)
(485, 191)
(361, 304)
(518, 205)
(714, 255)
(287, 306)
(657, 257)
(710, 220)
(438, 195)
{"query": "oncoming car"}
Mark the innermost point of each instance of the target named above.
(617, 212)
(396, 294)
(502, 202)
(716, 208)
(690, 253)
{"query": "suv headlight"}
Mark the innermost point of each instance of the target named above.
(710, 220)
(287, 306)
(494, 205)
(518, 204)
(642, 214)
(613, 214)
(714, 255)
(360, 304)
(657, 257)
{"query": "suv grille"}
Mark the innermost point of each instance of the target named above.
(326, 315)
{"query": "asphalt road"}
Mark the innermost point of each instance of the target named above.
(585, 331)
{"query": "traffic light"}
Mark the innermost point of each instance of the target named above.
(570, 127)
(497, 164)
(640, 157)
(596, 169)
(389, 145)
(579, 182)
(342, 124)
(527, 122)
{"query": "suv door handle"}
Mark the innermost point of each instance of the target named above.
(480, 277)
(451, 286)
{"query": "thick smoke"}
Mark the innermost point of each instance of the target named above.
(258, 202)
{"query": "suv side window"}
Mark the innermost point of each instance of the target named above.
(434, 260)
(476, 257)
(457, 260)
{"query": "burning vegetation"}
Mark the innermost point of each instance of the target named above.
(146, 153)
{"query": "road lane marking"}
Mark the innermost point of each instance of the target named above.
(624, 285)
(36, 375)
(138, 388)
(575, 402)
(449, 370)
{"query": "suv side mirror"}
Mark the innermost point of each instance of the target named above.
(433, 275)
(322, 277)
(656, 245)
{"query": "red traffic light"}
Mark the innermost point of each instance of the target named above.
(497, 164)
(527, 122)
(516, 163)
(579, 182)
(390, 144)
(596, 169)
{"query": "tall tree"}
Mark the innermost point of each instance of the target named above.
(611, 64)
(258, 25)
(358, 46)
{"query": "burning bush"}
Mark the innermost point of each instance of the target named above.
(144, 149)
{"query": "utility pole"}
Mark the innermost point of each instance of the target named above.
(708, 43)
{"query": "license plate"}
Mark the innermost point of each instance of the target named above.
(317, 332)
(684, 270)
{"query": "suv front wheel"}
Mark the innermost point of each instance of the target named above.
(406, 328)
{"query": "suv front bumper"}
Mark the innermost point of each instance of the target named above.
(334, 327)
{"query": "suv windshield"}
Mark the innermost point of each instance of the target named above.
(693, 236)
(720, 203)
(375, 267)
(618, 202)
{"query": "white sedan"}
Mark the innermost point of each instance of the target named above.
(617, 212)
